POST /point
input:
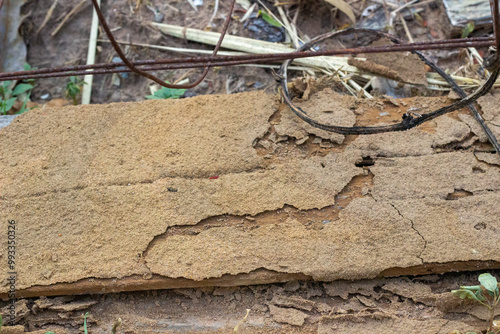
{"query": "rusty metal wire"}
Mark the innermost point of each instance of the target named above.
(144, 66)
(194, 62)
(133, 68)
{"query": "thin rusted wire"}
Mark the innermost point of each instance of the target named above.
(214, 60)
(132, 67)
(442, 44)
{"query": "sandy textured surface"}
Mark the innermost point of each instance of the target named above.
(230, 190)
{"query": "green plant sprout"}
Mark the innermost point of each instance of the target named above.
(10, 93)
(269, 19)
(116, 325)
(486, 294)
(74, 88)
(85, 330)
(468, 29)
(166, 93)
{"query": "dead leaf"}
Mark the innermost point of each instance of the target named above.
(344, 8)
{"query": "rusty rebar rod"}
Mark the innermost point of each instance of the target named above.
(442, 44)
(207, 62)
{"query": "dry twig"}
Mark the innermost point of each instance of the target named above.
(75, 10)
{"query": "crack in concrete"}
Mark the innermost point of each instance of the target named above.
(412, 225)
(443, 326)
(128, 184)
(206, 222)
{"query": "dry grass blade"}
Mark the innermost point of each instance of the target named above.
(248, 13)
(176, 49)
(252, 46)
(192, 4)
(344, 8)
(88, 79)
(216, 8)
(47, 16)
(290, 30)
(75, 10)
(241, 321)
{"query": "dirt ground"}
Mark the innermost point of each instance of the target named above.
(408, 303)
(419, 304)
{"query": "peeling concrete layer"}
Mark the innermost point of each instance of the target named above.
(291, 247)
(140, 193)
(433, 176)
(328, 107)
(117, 144)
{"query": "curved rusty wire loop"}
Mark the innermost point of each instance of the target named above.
(409, 121)
(134, 69)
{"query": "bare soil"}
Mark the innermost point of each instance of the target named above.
(419, 304)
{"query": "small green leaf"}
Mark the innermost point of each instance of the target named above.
(85, 330)
(8, 104)
(489, 282)
(49, 333)
(73, 90)
(469, 27)
(166, 93)
(269, 19)
(465, 293)
(476, 289)
(21, 88)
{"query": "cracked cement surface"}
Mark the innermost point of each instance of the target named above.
(328, 107)
(179, 190)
